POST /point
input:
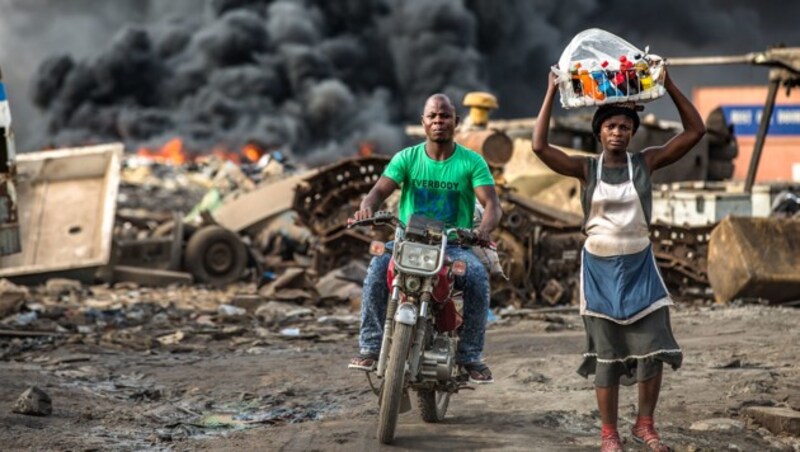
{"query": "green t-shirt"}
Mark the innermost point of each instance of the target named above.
(442, 190)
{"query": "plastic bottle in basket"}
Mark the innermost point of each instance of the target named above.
(577, 86)
(620, 80)
(631, 82)
(643, 71)
(589, 85)
(607, 86)
(599, 76)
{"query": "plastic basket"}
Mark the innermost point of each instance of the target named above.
(598, 67)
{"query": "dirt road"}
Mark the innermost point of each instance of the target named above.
(228, 394)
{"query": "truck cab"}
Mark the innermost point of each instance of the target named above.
(9, 221)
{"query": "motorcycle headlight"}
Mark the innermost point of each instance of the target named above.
(419, 257)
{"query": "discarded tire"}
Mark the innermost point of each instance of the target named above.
(215, 255)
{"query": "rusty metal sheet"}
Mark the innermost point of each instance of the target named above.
(325, 199)
(67, 200)
(755, 258)
(253, 209)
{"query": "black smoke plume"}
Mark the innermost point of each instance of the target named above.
(316, 78)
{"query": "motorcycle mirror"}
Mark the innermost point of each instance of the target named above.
(459, 268)
(377, 248)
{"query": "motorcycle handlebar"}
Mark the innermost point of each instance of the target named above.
(380, 218)
(467, 237)
(464, 237)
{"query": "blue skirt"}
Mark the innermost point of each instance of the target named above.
(623, 288)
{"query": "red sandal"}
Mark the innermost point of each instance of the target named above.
(611, 443)
(645, 433)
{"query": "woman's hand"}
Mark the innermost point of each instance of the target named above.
(552, 84)
(551, 79)
(667, 78)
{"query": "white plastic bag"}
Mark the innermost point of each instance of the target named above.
(488, 257)
(598, 67)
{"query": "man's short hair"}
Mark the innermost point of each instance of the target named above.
(442, 96)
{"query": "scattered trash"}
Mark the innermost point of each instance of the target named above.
(227, 310)
(26, 318)
(248, 302)
(171, 339)
(290, 332)
(11, 296)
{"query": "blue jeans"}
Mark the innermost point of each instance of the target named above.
(474, 284)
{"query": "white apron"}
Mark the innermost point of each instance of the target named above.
(620, 280)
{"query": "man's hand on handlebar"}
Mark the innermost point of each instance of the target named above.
(378, 218)
(474, 237)
(362, 214)
(482, 235)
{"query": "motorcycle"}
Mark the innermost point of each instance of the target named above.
(424, 312)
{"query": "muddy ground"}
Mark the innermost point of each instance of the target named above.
(225, 391)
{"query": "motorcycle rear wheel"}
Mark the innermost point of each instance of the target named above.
(392, 393)
(433, 404)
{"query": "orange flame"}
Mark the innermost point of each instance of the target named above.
(366, 149)
(252, 152)
(171, 153)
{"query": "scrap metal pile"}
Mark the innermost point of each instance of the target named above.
(539, 245)
(285, 230)
(682, 255)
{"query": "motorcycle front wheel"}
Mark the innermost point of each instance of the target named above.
(392, 393)
(433, 404)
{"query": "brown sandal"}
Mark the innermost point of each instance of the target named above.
(365, 362)
(478, 373)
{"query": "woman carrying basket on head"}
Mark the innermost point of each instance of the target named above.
(624, 302)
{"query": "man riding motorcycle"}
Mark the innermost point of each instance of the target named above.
(439, 179)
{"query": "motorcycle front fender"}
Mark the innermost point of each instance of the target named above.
(406, 314)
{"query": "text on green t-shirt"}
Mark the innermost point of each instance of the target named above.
(442, 190)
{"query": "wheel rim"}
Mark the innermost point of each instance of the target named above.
(219, 258)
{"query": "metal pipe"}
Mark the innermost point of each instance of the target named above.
(763, 128)
(701, 61)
